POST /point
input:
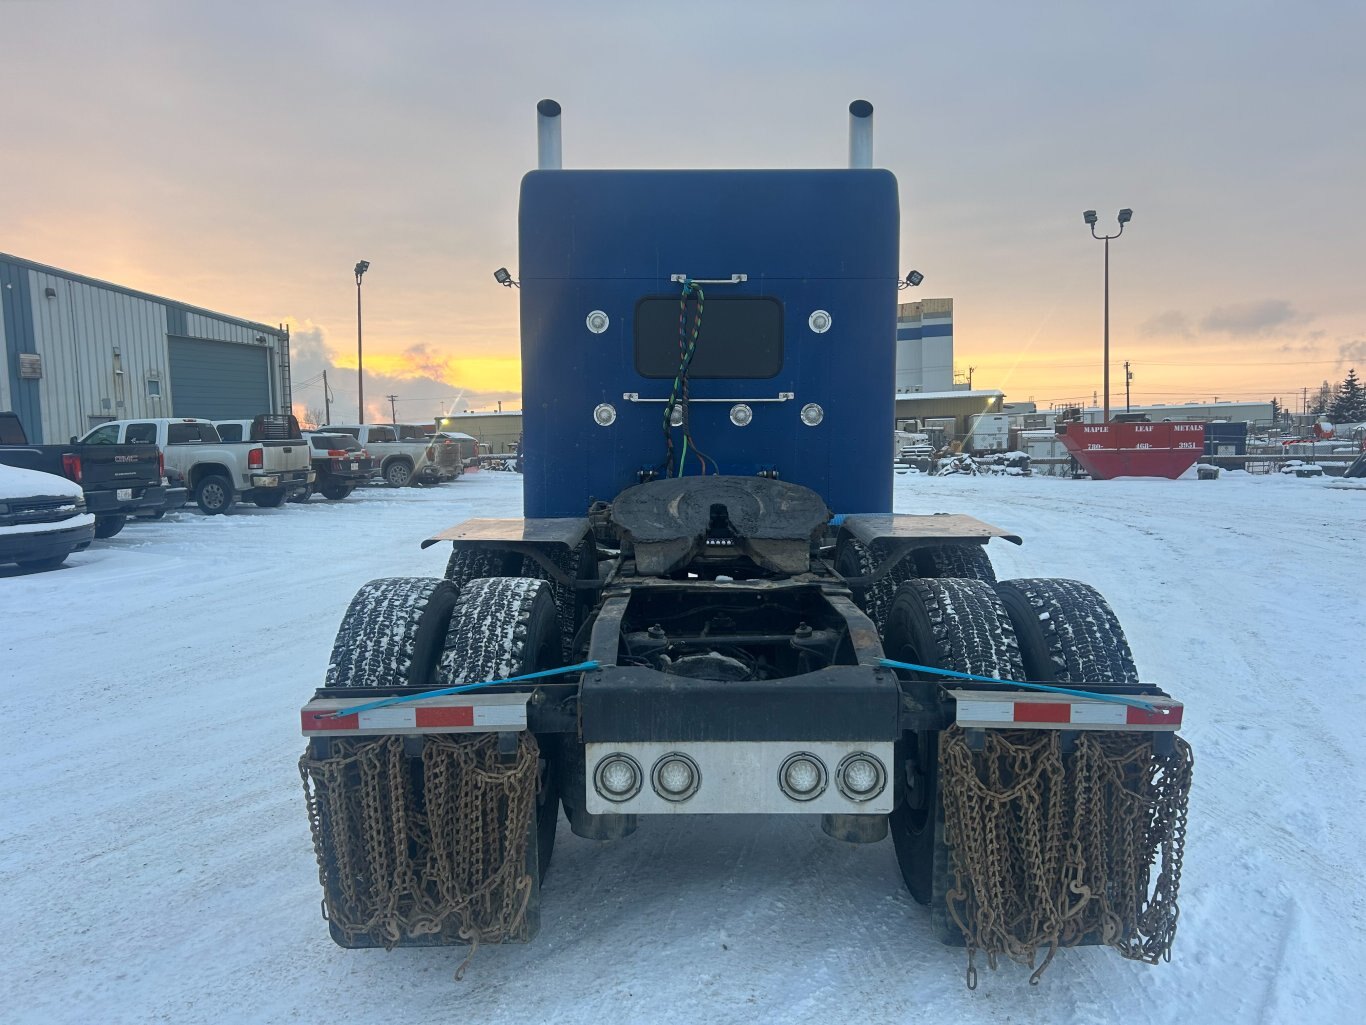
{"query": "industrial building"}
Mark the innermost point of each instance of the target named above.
(952, 411)
(924, 346)
(497, 433)
(77, 352)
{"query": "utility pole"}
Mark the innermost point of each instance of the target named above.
(393, 410)
(1128, 376)
(327, 400)
(361, 268)
(970, 370)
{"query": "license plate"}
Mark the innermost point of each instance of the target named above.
(355, 466)
(124, 494)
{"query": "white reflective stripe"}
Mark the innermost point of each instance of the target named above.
(492, 716)
(987, 711)
(1106, 713)
(395, 716)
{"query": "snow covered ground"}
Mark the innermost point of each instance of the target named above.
(155, 863)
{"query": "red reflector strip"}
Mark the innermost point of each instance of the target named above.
(321, 722)
(1142, 717)
(462, 715)
(1043, 711)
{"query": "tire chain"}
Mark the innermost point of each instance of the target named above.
(452, 865)
(1050, 850)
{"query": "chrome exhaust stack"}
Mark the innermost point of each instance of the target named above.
(860, 134)
(549, 155)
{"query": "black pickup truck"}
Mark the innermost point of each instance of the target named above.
(118, 480)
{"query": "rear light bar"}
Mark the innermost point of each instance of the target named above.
(452, 713)
(337, 453)
(71, 466)
(1013, 709)
(256, 459)
(161, 464)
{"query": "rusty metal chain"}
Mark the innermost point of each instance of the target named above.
(1048, 850)
(431, 846)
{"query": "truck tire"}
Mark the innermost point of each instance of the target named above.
(965, 561)
(108, 526)
(392, 633)
(501, 627)
(571, 604)
(466, 564)
(214, 495)
(398, 473)
(1068, 633)
(335, 492)
(952, 624)
(270, 499)
(855, 559)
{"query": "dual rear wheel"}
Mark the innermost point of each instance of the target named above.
(1039, 630)
(406, 632)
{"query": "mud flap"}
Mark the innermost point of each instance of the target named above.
(401, 834)
(1053, 839)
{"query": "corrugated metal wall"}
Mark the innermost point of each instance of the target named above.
(105, 350)
(99, 348)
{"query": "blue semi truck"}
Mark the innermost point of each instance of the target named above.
(710, 606)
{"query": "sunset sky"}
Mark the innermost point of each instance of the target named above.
(243, 156)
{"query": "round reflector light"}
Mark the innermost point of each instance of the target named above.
(676, 777)
(860, 776)
(604, 414)
(812, 414)
(597, 322)
(617, 777)
(741, 414)
(802, 776)
(819, 322)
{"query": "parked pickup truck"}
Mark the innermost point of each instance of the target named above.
(278, 432)
(340, 463)
(219, 473)
(401, 462)
(42, 518)
(441, 449)
(117, 479)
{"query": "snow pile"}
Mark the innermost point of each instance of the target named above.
(157, 866)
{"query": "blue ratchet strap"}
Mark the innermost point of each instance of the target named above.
(386, 702)
(1133, 702)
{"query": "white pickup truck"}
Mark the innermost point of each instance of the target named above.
(219, 473)
(402, 461)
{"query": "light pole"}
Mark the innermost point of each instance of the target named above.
(1089, 216)
(361, 268)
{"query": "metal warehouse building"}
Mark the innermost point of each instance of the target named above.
(77, 352)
